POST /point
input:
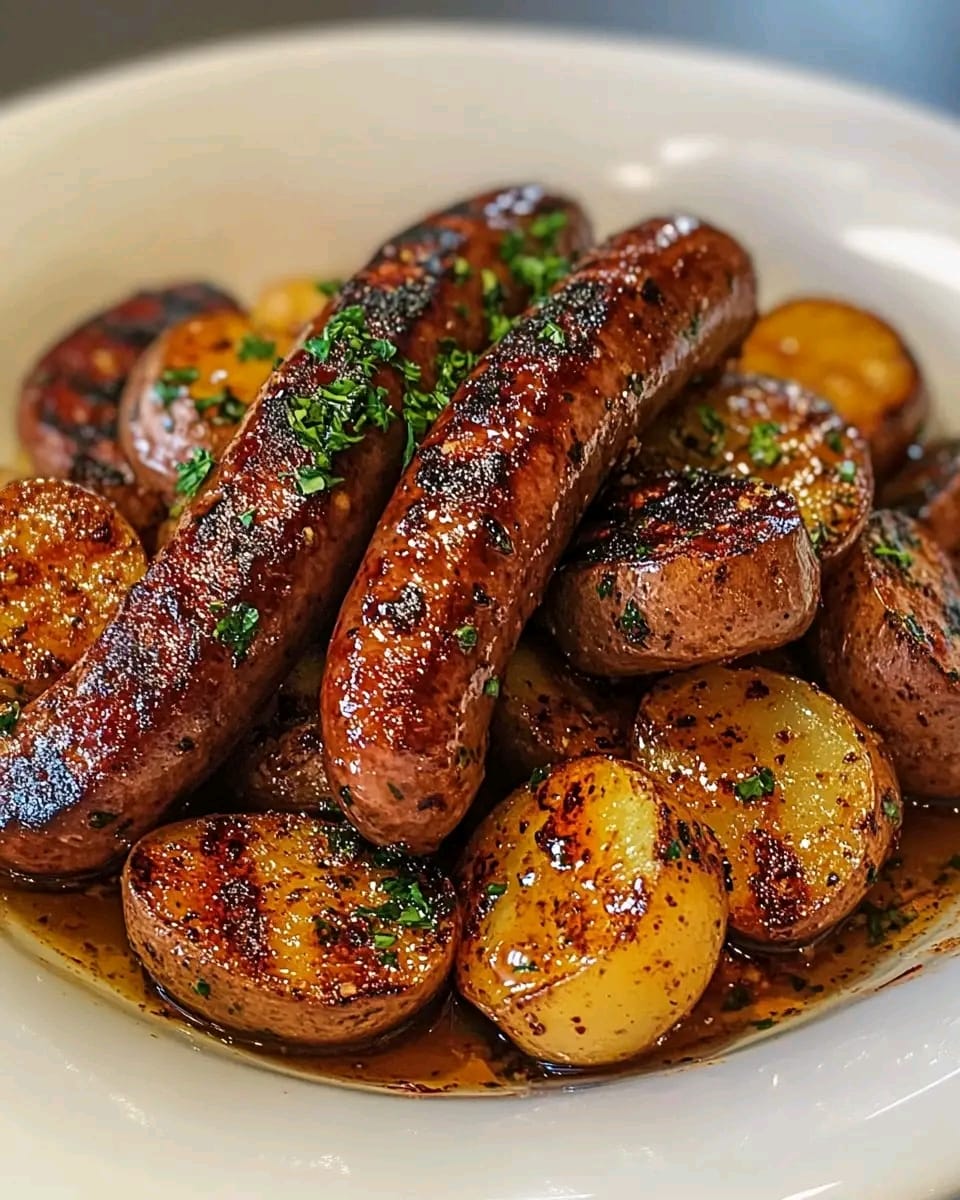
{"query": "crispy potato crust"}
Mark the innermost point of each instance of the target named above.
(594, 913)
(800, 794)
(190, 391)
(67, 559)
(889, 646)
(547, 712)
(774, 431)
(288, 926)
(853, 359)
(693, 567)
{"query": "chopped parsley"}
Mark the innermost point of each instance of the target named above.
(383, 941)
(605, 587)
(173, 383)
(247, 518)
(421, 409)
(229, 410)
(766, 1023)
(523, 967)
(253, 347)
(551, 332)
(763, 447)
(883, 921)
(890, 808)
(466, 637)
(537, 267)
(389, 958)
(896, 554)
(713, 425)
(761, 783)
(9, 716)
(406, 906)
(820, 535)
(547, 226)
(202, 988)
(847, 471)
(497, 320)
(495, 889)
(633, 624)
(537, 776)
(834, 439)
(673, 851)
(328, 287)
(738, 997)
(492, 686)
(461, 270)
(914, 628)
(192, 474)
(236, 627)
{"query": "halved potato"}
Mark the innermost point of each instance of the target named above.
(279, 765)
(67, 559)
(289, 927)
(286, 305)
(546, 712)
(927, 487)
(889, 646)
(189, 392)
(594, 914)
(800, 794)
(777, 432)
(697, 568)
(853, 359)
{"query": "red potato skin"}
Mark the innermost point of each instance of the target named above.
(464, 551)
(67, 417)
(158, 702)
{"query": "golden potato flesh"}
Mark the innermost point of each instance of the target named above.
(67, 559)
(286, 305)
(799, 793)
(853, 359)
(594, 912)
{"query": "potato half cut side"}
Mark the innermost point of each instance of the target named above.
(547, 712)
(697, 568)
(927, 487)
(889, 645)
(853, 359)
(188, 393)
(285, 306)
(594, 914)
(777, 432)
(279, 765)
(288, 927)
(67, 560)
(800, 794)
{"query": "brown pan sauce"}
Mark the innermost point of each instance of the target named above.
(452, 1049)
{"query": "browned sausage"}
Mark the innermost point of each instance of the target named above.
(67, 418)
(265, 551)
(467, 544)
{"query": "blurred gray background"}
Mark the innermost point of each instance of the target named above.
(907, 46)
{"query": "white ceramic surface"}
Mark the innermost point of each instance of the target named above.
(250, 160)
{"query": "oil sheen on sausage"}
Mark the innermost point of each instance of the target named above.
(466, 546)
(254, 563)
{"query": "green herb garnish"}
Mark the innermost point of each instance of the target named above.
(421, 409)
(192, 474)
(229, 410)
(633, 624)
(202, 988)
(896, 554)
(847, 471)
(247, 518)
(236, 627)
(253, 347)
(834, 439)
(551, 332)
(328, 287)
(673, 851)
(492, 686)
(173, 383)
(100, 819)
(890, 808)
(9, 716)
(761, 783)
(496, 889)
(537, 776)
(762, 446)
(461, 270)
(466, 637)
(605, 587)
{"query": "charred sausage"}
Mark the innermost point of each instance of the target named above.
(67, 417)
(468, 541)
(264, 552)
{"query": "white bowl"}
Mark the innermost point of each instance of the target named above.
(254, 159)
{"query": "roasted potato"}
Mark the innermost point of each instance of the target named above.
(279, 765)
(927, 487)
(285, 306)
(774, 431)
(853, 359)
(67, 418)
(698, 568)
(288, 927)
(594, 914)
(800, 794)
(888, 639)
(67, 559)
(547, 712)
(189, 392)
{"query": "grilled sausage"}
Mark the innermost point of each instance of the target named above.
(468, 541)
(67, 418)
(264, 552)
